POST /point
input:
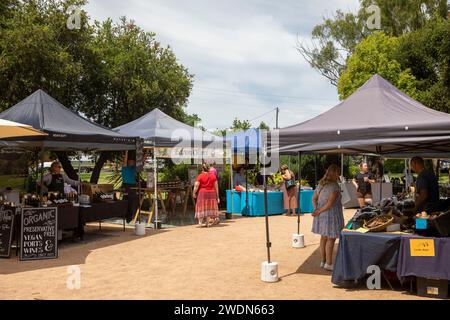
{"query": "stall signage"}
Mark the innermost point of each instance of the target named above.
(140, 155)
(39, 234)
(6, 229)
(421, 247)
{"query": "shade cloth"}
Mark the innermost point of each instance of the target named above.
(437, 267)
(358, 251)
(66, 129)
(377, 118)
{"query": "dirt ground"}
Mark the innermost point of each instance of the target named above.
(222, 262)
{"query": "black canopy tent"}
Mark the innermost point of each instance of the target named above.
(66, 129)
(378, 118)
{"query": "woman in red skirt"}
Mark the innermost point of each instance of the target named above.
(207, 206)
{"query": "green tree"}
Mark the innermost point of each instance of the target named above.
(239, 125)
(427, 53)
(335, 39)
(263, 126)
(375, 54)
(131, 75)
(111, 72)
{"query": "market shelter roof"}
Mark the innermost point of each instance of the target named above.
(65, 128)
(377, 118)
(160, 130)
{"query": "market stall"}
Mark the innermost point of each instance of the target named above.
(63, 130)
(388, 235)
(161, 133)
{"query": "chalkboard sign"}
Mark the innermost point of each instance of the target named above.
(140, 155)
(6, 229)
(39, 234)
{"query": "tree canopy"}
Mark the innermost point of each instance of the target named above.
(334, 40)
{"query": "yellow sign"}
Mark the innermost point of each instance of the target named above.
(422, 247)
(362, 230)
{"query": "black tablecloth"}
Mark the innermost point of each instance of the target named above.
(357, 251)
(104, 210)
(437, 267)
(68, 217)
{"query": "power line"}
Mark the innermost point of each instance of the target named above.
(240, 93)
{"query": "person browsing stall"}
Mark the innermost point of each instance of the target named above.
(54, 181)
(239, 180)
(363, 183)
(427, 185)
(290, 190)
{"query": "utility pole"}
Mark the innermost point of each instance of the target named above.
(278, 111)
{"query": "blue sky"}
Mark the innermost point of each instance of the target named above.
(242, 54)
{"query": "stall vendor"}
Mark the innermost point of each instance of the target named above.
(239, 180)
(54, 181)
(128, 182)
(363, 183)
(427, 186)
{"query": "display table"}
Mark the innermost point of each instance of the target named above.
(389, 251)
(353, 201)
(305, 201)
(357, 251)
(256, 202)
(435, 267)
(103, 211)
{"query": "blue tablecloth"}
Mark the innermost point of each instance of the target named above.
(357, 251)
(256, 202)
(305, 201)
(437, 267)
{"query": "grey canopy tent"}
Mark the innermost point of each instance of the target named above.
(66, 129)
(377, 118)
(159, 130)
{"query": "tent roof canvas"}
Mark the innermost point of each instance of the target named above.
(377, 118)
(160, 130)
(66, 129)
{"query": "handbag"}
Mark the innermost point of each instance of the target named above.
(289, 184)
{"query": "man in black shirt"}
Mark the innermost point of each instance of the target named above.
(427, 186)
(362, 182)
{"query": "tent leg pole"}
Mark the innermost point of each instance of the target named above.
(266, 209)
(299, 210)
(155, 177)
(41, 192)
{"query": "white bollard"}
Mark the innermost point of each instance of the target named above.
(139, 229)
(269, 271)
(298, 240)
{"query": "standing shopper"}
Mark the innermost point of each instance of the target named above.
(328, 214)
(290, 190)
(206, 191)
(363, 183)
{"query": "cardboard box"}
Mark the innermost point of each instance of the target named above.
(91, 189)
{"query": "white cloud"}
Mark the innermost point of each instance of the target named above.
(235, 48)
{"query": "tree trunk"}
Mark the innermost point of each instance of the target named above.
(67, 165)
(104, 156)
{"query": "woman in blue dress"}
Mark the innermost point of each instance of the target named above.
(328, 214)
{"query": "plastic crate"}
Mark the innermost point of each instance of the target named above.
(432, 288)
